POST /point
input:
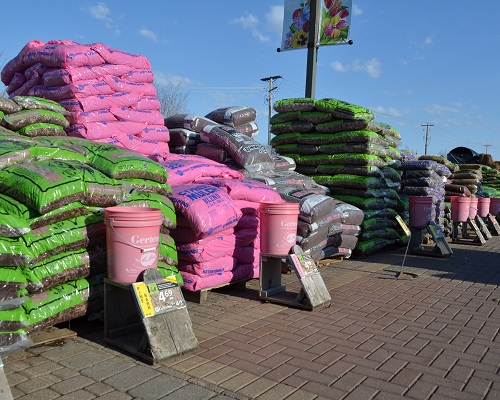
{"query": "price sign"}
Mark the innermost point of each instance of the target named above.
(160, 296)
(303, 264)
(403, 225)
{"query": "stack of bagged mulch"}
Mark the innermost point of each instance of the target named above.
(53, 192)
(427, 176)
(108, 93)
(341, 147)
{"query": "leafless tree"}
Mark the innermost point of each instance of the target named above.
(172, 98)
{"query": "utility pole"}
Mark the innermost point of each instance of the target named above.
(486, 146)
(426, 136)
(270, 101)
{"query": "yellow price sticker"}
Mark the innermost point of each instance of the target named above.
(403, 225)
(144, 298)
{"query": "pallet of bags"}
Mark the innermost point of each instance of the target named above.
(108, 94)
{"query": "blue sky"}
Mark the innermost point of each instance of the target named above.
(412, 63)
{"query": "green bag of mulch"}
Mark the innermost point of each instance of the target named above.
(57, 304)
(71, 210)
(42, 129)
(362, 170)
(349, 158)
(344, 110)
(386, 130)
(294, 104)
(9, 106)
(285, 138)
(33, 102)
(66, 266)
(296, 148)
(284, 117)
(23, 118)
(292, 126)
(12, 225)
(147, 185)
(363, 148)
(63, 236)
(350, 181)
(341, 125)
(170, 270)
(315, 117)
(155, 200)
(167, 251)
(369, 246)
(44, 185)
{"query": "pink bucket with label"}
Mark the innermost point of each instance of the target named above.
(495, 206)
(420, 211)
(474, 201)
(132, 240)
(278, 227)
(483, 207)
(460, 208)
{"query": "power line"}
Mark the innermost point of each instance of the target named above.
(486, 147)
(269, 99)
(426, 136)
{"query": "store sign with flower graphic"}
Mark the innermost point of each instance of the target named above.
(333, 26)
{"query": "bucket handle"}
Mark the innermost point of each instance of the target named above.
(143, 250)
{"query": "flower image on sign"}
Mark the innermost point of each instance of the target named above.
(333, 26)
(335, 22)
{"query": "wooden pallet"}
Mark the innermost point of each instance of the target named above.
(51, 335)
(201, 296)
(328, 261)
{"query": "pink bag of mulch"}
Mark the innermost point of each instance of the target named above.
(139, 76)
(147, 103)
(247, 236)
(16, 64)
(63, 54)
(104, 102)
(79, 90)
(208, 209)
(245, 189)
(115, 56)
(247, 254)
(120, 85)
(16, 82)
(26, 87)
(65, 76)
(248, 207)
(194, 282)
(82, 117)
(184, 168)
(209, 248)
(184, 234)
(207, 268)
(143, 116)
(159, 133)
(248, 221)
(148, 148)
(102, 130)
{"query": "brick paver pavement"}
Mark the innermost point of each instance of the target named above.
(431, 337)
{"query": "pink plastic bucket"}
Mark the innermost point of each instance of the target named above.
(483, 207)
(474, 201)
(495, 206)
(420, 211)
(132, 240)
(278, 227)
(460, 207)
